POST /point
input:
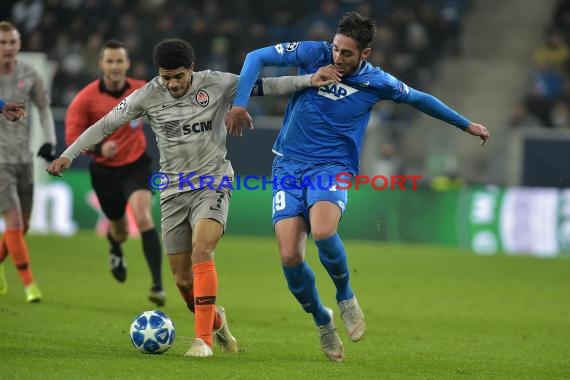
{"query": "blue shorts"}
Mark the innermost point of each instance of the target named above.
(299, 185)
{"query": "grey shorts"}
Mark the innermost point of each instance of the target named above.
(16, 187)
(182, 211)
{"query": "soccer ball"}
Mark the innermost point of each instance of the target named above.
(152, 332)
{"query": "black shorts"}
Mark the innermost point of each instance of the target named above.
(114, 185)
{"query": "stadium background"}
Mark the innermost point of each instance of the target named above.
(481, 58)
(434, 309)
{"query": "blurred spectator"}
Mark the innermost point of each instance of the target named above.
(544, 89)
(27, 14)
(388, 163)
(546, 101)
(561, 18)
(553, 52)
(409, 44)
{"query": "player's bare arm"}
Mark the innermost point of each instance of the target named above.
(58, 166)
(478, 130)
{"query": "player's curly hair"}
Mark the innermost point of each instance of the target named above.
(361, 29)
(173, 53)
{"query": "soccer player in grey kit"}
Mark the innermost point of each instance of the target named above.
(186, 110)
(20, 83)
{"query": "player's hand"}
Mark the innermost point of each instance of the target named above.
(325, 75)
(109, 148)
(479, 130)
(47, 152)
(58, 166)
(236, 119)
(14, 111)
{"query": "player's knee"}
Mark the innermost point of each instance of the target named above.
(202, 253)
(120, 235)
(290, 258)
(143, 222)
(322, 232)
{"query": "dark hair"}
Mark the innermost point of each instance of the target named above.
(173, 53)
(113, 44)
(361, 29)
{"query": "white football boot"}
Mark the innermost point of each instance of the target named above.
(330, 341)
(353, 318)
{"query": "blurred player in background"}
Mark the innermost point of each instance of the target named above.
(186, 110)
(12, 111)
(321, 137)
(20, 83)
(120, 167)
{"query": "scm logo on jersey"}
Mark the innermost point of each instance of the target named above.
(201, 126)
(336, 91)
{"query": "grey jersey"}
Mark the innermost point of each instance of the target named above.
(23, 85)
(190, 130)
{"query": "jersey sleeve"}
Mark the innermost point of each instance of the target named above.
(301, 54)
(130, 108)
(392, 88)
(396, 90)
(432, 106)
(40, 99)
(284, 85)
(228, 81)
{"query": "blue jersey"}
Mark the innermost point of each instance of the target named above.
(327, 124)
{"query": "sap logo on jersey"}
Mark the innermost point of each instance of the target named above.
(201, 126)
(336, 91)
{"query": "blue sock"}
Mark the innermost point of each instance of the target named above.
(301, 281)
(333, 258)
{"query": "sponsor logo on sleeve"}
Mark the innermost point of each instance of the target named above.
(287, 46)
(290, 46)
(122, 105)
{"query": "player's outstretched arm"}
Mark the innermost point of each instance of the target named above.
(58, 166)
(478, 130)
(238, 116)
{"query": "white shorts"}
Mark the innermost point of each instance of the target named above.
(182, 211)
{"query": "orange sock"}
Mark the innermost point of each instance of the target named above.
(3, 250)
(19, 251)
(205, 290)
(188, 296)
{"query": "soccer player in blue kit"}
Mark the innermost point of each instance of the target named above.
(322, 135)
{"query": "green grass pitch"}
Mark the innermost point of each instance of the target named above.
(432, 313)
